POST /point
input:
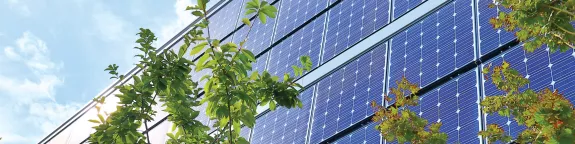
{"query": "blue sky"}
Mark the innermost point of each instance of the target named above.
(53, 52)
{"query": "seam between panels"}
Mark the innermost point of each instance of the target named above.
(274, 30)
(311, 114)
(319, 61)
(478, 77)
(387, 58)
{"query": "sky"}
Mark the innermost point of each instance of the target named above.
(53, 54)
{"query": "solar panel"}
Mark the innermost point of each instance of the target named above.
(293, 13)
(434, 47)
(284, 125)
(367, 134)
(351, 21)
(306, 41)
(343, 97)
(400, 7)
(490, 39)
(455, 104)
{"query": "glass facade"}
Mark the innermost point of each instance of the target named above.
(442, 49)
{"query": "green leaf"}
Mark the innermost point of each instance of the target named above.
(262, 17)
(246, 21)
(270, 11)
(272, 105)
(241, 140)
(306, 63)
(198, 48)
(249, 54)
(94, 121)
(197, 13)
(195, 114)
(250, 11)
(101, 118)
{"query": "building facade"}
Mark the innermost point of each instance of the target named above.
(359, 48)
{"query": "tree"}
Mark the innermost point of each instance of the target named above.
(232, 93)
(398, 122)
(538, 22)
(547, 114)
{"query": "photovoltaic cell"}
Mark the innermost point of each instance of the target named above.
(366, 134)
(434, 47)
(490, 39)
(351, 21)
(293, 13)
(284, 126)
(306, 41)
(401, 7)
(344, 97)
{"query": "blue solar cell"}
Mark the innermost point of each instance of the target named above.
(259, 37)
(490, 39)
(293, 13)
(351, 21)
(284, 126)
(306, 41)
(343, 98)
(400, 7)
(367, 134)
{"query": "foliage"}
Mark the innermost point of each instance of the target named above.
(400, 123)
(231, 92)
(547, 114)
(538, 22)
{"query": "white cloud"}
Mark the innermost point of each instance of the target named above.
(19, 6)
(110, 27)
(28, 104)
(183, 19)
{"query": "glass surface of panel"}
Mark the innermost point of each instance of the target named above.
(285, 126)
(293, 13)
(365, 135)
(306, 41)
(455, 105)
(489, 38)
(222, 22)
(259, 38)
(434, 47)
(400, 7)
(351, 21)
(543, 68)
(343, 97)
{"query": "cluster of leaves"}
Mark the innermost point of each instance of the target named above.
(538, 22)
(400, 123)
(232, 91)
(548, 115)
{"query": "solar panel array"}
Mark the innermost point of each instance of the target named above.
(444, 45)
